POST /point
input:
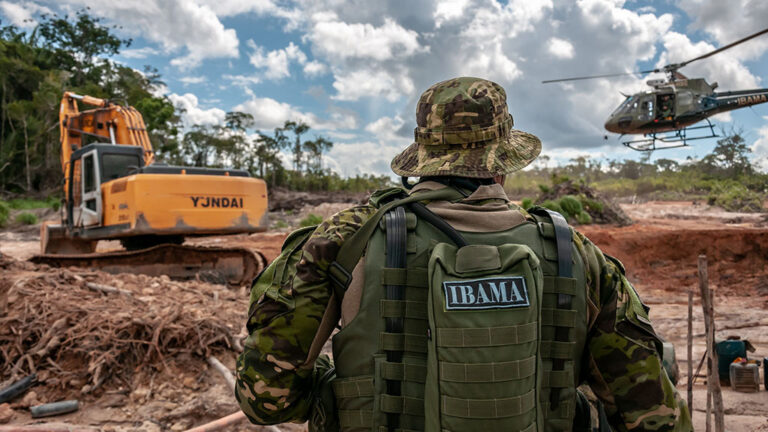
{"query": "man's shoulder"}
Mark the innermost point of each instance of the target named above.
(337, 229)
(345, 223)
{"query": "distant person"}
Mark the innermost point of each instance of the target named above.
(458, 311)
(665, 106)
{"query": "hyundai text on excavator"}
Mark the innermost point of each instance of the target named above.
(114, 190)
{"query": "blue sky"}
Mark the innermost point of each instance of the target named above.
(354, 69)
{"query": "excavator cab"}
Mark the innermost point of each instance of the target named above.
(89, 168)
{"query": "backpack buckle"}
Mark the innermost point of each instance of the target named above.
(339, 276)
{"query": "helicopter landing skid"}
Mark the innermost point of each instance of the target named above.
(670, 140)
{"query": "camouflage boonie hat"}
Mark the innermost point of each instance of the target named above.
(464, 129)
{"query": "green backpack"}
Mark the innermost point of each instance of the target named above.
(459, 331)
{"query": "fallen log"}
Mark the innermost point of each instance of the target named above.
(107, 289)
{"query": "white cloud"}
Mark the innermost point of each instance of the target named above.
(356, 84)
(346, 136)
(340, 40)
(345, 158)
(729, 21)
(315, 69)
(227, 8)
(269, 114)
(560, 48)
(385, 129)
(492, 63)
(760, 147)
(21, 13)
(139, 53)
(725, 67)
(193, 113)
(192, 80)
(494, 22)
(725, 117)
(276, 63)
(447, 10)
(181, 26)
(244, 81)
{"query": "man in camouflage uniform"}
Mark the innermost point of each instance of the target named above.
(279, 371)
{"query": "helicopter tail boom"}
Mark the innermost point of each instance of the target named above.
(727, 101)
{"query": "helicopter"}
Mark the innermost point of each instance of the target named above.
(666, 115)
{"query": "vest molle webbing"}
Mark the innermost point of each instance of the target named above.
(510, 368)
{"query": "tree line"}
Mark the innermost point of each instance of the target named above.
(726, 176)
(71, 53)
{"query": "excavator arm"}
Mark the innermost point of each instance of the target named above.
(107, 123)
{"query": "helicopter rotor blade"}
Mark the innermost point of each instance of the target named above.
(721, 49)
(601, 76)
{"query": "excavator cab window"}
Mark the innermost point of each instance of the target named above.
(89, 176)
(115, 166)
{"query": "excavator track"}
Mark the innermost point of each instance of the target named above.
(234, 266)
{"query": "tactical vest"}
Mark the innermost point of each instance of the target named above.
(462, 354)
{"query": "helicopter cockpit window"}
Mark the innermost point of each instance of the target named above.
(625, 106)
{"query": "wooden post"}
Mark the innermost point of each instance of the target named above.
(704, 292)
(690, 351)
(714, 395)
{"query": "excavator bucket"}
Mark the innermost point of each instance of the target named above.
(54, 241)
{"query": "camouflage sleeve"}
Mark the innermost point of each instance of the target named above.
(288, 301)
(623, 352)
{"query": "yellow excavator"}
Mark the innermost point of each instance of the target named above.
(115, 190)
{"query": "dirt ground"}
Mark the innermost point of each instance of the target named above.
(660, 252)
(159, 379)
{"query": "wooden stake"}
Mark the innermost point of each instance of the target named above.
(220, 424)
(704, 289)
(226, 373)
(714, 394)
(690, 350)
(230, 420)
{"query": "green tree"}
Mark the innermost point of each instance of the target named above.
(80, 42)
(729, 158)
(298, 129)
(268, 153)
(667, 165)
(315, 148)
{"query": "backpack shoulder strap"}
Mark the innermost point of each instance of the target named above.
(563, 238)
(340, 271)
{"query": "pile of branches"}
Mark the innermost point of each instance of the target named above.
(601, 209)
(78, 331)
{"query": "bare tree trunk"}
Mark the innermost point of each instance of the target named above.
(2, 119)
(26, 156)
